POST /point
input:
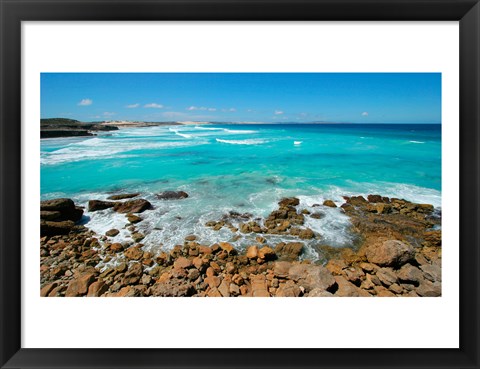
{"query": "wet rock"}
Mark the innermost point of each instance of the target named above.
(112, 232)
(66, 208)
(123, 196)
(289, 251)
(172, 195)
(390, 253)
(50, 215)
(79, 286)
(134, 219)
(356, 201)
(329, 203)
(190, 237)
(133, 253)
(96, 205)
(375, 198)
(132, 206)
(116, 247)
(133, 275)
(137, 236)
(288, 201)
(48, 228)
(306, 234)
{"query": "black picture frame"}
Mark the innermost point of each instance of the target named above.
(13, 12)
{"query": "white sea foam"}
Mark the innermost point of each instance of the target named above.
(297, 143)
(253, 141)
(239, 131)
(417, 142)
(102, 148)
(208, 128)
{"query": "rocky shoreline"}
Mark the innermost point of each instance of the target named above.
(397, 253)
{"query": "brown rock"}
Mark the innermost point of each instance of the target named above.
(224, 289)
(191, 237)
(47, 289)
(266, 253)
(134, 219)
(66, 208)
(288, 201)
(389, 253)
(348, 289)
(133, 253)
(227, 247)
(48, 228)
(259, 286)
(387, 276)
(95, 205)
(374, 198)
(318, 292)
(213, 281)
(429, 289)
(193, 274)
(306, 234)
(252, 252)
(122, 196)
(79, 286)
(50, 215)
(133, 275)
(336, 266)
(116, 247)
(137, 236)
(112, 232)
(97, 289)
(289, 251)
(182, 263)
(132, 206)
(172, 195)
(432, 272)
(409, 273)
(329, 203)
(311, 276)
(281, 268)
(288, 289)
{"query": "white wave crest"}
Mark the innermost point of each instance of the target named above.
(417, 142)
(238, 131)
(254, 141)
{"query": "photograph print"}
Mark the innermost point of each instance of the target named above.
(240, 185)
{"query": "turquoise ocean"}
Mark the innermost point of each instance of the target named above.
(242, 168)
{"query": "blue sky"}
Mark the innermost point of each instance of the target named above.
(244, 97)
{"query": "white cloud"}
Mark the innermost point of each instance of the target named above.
(278, 112)
(85, 102)
(108, 113)
(153, 105)
(232, 109)
(131, 106)
(202, 108)
(365, 114)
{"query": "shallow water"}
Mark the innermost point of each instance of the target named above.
(244, 168)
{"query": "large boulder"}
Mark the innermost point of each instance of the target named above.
(95, 205)
(311, 276)
(132, 206)
(390, 253)
(288, 251)
(60, 209)
(288, 201)
(122, 196)
(48, 228)
(172, 195)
